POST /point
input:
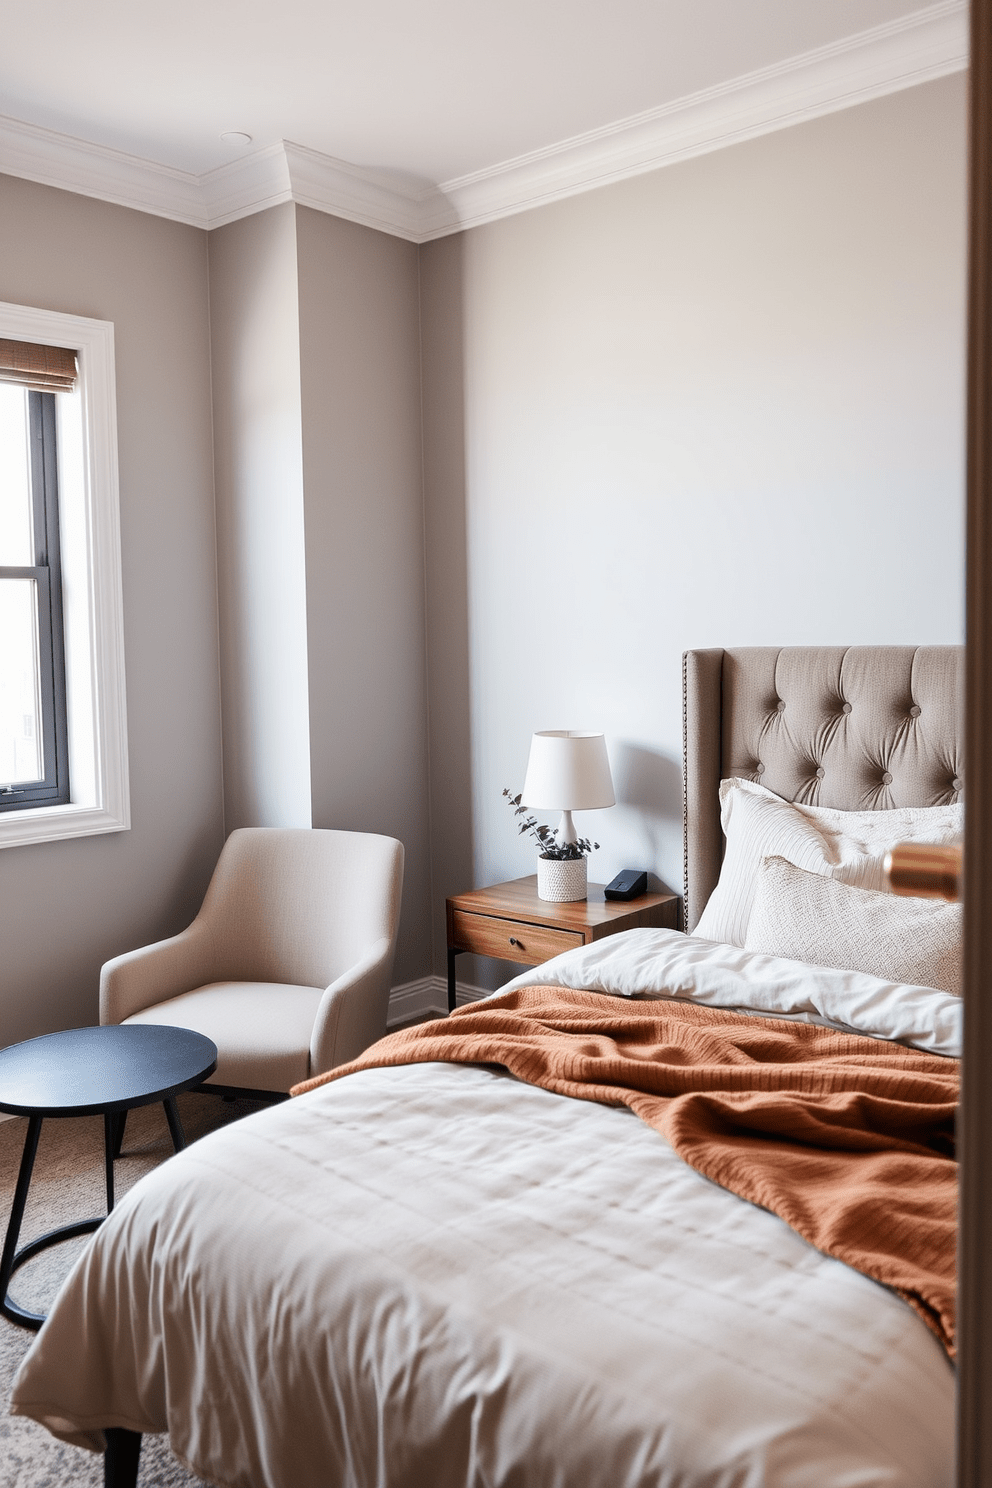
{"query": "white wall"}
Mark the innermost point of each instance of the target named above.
(721, 404)
(66, 907)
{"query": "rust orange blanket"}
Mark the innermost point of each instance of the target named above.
(849, 1139)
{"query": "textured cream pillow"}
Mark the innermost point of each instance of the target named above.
(809, 917)
(847, 845)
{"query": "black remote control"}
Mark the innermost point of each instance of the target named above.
(630, 883)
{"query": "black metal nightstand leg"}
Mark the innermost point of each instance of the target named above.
(175, 1125)
(120, 1461)
(452, 953)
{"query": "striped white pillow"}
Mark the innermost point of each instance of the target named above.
(846, 845)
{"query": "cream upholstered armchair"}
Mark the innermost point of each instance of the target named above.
(287, 965)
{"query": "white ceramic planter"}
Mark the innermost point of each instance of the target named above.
(561, 880)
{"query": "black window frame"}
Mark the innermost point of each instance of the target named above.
(46, 570)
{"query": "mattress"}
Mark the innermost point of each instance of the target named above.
(438, 1275)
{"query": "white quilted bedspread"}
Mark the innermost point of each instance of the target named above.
(435, 1276)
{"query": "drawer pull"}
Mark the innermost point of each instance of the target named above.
(514, 940)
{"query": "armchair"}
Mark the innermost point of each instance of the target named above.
(286, 967)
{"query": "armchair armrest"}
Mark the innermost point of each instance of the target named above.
(352, 1012)
(140, 979)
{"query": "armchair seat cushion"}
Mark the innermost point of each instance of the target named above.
(261, 1029)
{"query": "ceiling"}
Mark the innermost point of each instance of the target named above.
(412, 97)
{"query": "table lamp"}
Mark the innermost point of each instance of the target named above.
(568, 771)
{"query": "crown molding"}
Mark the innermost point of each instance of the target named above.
(363, 196)
(71, 164)
(927, 44)
(249, 185)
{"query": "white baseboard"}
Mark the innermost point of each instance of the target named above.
(427, 997)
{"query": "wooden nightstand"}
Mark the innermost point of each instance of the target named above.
(511, 923)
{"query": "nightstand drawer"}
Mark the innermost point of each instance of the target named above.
(507, 939)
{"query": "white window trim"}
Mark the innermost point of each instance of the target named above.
(95, 638)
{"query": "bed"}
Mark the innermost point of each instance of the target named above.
(437, 1273)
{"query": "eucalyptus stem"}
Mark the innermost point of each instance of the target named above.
(544, 836)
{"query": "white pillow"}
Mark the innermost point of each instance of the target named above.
(847, 845)
(809, 917)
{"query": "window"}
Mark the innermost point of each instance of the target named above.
(34, 746)
(63, 738)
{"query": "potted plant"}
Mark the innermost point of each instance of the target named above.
(561, 866)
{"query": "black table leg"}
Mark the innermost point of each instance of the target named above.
(16, 1215)
(452, 953)
(120, 1461)
(120, 1122)
(175, 1125)
(12, 1258)
(109, 1153)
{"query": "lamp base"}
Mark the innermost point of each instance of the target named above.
(562, 880)
(566, 828)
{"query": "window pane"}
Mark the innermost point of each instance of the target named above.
(16, 546)
(20, 701)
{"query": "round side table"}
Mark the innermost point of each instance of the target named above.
(103, 1071)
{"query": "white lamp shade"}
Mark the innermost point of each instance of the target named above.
(568, 771)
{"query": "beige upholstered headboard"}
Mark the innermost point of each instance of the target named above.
(855, 727)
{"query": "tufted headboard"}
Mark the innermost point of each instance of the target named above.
(854, 727)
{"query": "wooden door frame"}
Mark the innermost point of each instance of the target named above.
(974, 1466)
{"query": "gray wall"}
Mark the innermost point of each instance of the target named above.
(316, 374)
(360, 373)
(718, 404)
(442, 304)
(65, 907)
(721, 404)
(261, 571)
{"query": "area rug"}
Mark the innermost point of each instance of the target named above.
(68, 1184)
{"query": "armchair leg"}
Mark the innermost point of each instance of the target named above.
(120, 1461)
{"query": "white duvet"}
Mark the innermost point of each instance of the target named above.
(434, 1275)
(665, 963)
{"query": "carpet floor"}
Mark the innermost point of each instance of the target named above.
(68, 1184)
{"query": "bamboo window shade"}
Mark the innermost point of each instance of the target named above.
(48, 369)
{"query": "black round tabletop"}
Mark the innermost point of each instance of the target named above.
(83, 1071)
